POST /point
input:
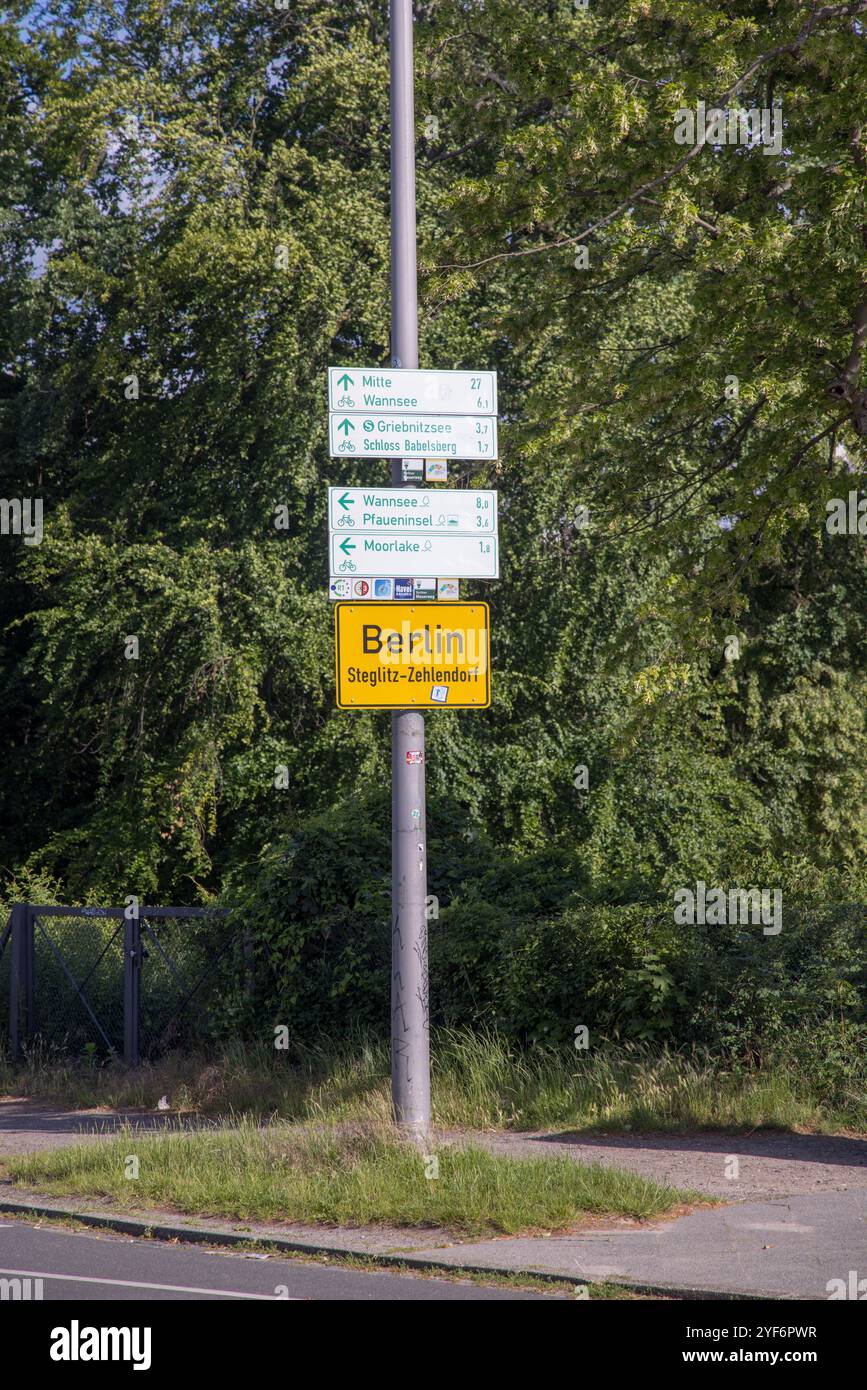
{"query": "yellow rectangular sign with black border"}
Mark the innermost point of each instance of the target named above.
(412, 655)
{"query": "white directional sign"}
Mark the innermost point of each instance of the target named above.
(371, 553)
(375, 435)
(411, 511)
(412, 392)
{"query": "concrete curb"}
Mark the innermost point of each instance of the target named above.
(160, 1230)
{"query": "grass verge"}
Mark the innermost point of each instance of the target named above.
(346, 1177)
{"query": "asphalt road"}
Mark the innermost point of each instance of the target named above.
(87, 1268)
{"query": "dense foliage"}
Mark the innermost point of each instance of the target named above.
(194, 225)
(520, 944)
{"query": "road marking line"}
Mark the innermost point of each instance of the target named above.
(135, 1284)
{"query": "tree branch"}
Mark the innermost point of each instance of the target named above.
(828, 12)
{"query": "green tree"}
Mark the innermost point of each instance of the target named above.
(195, 224)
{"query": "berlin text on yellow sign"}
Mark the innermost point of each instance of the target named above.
(411, 655)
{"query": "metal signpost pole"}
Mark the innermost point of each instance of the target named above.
(410, 1047)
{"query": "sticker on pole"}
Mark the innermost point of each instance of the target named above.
(412, 655)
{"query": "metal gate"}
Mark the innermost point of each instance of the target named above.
(112, 980)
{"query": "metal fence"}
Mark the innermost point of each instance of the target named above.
(97, 980)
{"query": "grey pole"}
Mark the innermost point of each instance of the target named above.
(410, 1046)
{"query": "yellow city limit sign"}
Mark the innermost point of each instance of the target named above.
(405, 655)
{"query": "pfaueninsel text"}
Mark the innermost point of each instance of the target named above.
(432, 511)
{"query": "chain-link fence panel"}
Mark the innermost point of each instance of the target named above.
(99, 982)
(78, 982)
(179, 978)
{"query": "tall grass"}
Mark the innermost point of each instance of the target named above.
(347, 1176)
(480, 1080)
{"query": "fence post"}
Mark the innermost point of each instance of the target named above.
(131, 989)
(21, 978)
(248, 959)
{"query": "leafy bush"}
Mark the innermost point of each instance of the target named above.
(519, 946)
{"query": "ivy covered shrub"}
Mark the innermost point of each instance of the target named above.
(517, 944)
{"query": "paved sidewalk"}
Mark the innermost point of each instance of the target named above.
(784, 1249)
(30, 1125)
(768, 1165)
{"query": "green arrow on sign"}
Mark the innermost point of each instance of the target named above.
(345, 380)
(346, 426)
(346, 546)
(346, 501)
